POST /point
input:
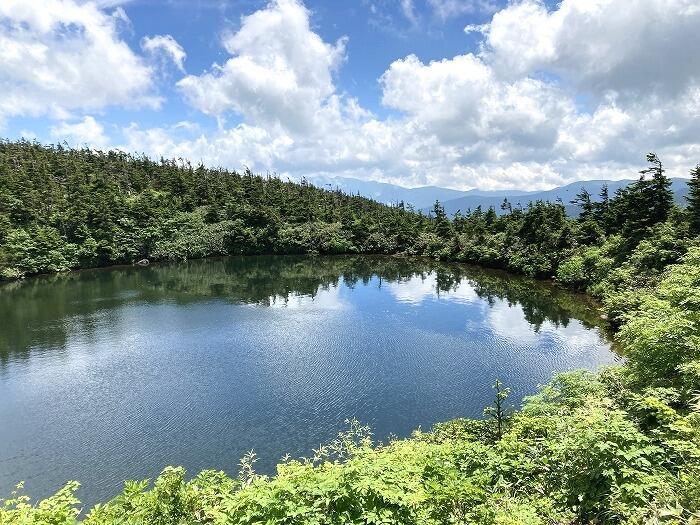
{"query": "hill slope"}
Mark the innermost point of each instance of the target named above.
(62, 209)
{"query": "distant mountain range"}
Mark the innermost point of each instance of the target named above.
(421, 197)
(565, 193)
(424, 197)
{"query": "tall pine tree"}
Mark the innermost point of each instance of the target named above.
(583, 201)
(659, 194)
(602, 212)
(443, 226)
(693, 199)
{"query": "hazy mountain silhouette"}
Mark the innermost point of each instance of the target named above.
(423, 198)
(565, 193)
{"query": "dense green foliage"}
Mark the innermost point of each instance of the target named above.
(62, 209)
(619, 446)
(694, 199)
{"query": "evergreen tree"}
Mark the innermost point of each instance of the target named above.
(506, 206)
(660, 196)
(62, 208)
(459, 221)
(642, 204)
(442, 225)
(583, 201)
(589, 230)
(693, 199)
(491, 216)
(601, 209)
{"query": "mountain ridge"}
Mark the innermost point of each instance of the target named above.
(566, 193)
(423, 197)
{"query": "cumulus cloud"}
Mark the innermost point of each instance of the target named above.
(165, 46)
(279, 74)
(66, 56)
(630, 47)
(552, 94)
(243, 145)
(462, 102)
(86, 132)
(550, 97)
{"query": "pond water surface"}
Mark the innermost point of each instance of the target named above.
(107, 375)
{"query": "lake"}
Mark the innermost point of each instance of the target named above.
(112, 374)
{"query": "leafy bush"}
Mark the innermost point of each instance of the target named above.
(663, 334)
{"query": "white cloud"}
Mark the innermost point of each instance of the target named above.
(165, 46)
(552, 95)
(629, 47)
(280, 72)
(237, 147)
(462, 102)
(84, 132)
(511, 115)
(409, 11)
(476, 28)
(531, 109)
(28, 134)
(65, 56)
(445, 9)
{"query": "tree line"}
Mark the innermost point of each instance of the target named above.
(62, 209)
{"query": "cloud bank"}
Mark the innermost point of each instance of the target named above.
(551, 95)
(62, 57)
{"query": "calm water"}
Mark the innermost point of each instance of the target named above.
(109, 375)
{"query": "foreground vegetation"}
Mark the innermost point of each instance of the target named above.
(619, 446)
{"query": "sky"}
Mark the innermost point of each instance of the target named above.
(488, 94)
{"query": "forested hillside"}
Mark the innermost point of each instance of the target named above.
(619, 446)
(62, 209)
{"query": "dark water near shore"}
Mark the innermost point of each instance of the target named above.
(107, 375)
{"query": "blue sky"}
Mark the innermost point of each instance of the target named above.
(378, 32)
(459, 93)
